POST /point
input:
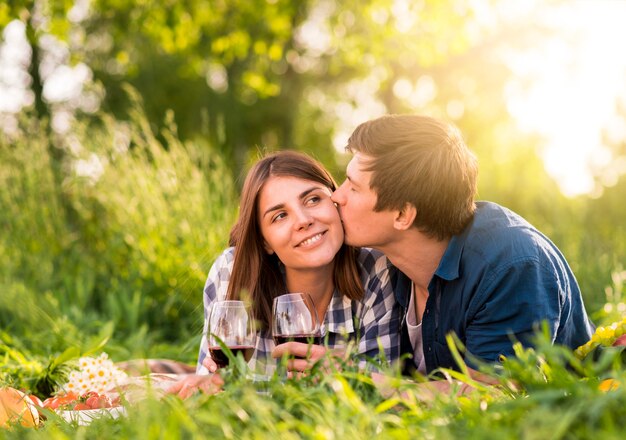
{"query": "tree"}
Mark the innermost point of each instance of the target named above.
(220, 65)
(242, 72)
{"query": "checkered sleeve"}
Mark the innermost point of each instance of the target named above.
(379, 315)
(215, 289)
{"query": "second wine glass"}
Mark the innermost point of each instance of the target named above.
(295, 319)
(231, 322)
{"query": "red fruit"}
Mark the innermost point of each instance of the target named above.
(81, 406)
(93, 402)
(36, 400)
(104, 401)
(51, 402)
(67, 398)
(620, 341)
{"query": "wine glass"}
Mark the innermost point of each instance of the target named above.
(231, 323)
(295, 319)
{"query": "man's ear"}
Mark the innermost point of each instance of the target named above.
(405, 217)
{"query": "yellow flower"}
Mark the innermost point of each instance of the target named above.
(608, 385)
(602, 336)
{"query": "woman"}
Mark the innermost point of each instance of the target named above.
(289, 238)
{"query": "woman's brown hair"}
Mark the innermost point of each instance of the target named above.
(257, 272)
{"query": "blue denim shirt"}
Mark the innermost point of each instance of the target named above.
(495, 284)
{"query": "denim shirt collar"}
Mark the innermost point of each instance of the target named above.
(401, 287)
(448, 269)
(449, 266)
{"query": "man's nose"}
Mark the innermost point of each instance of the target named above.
(337, 196)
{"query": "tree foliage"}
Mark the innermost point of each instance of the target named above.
(244, 75)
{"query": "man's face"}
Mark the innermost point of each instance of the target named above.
(362, 225)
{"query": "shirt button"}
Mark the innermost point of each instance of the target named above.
(429, 348)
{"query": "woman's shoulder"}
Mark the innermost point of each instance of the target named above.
(372, 261)
(223, 262)
(218, 278)
(227, 256)
(377, 278)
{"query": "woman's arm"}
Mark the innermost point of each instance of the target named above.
(208, 384)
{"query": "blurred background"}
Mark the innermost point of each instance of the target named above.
(126, 128)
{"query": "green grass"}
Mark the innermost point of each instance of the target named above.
(130, 244)
(550, 400)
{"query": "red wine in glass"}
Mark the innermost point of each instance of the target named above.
(305, 339)
(221, 359)
(231, 324)
(294, 318)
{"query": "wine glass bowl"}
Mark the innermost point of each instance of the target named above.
(294, 318)
(231, 323)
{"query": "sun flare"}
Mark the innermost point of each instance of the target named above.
(577, 79)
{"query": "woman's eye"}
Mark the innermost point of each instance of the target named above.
(313, 199)
(278, 216)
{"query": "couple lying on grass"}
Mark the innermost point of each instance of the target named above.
(396, 258)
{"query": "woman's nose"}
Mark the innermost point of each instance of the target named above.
(303, 220)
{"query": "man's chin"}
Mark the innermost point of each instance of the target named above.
(351, 242)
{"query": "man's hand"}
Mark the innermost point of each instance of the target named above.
(209, 384)
(428, 391)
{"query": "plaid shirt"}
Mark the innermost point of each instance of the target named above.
(372, 320)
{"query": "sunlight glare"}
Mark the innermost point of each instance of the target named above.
(576, 83)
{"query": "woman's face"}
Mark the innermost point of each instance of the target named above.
(299, 222)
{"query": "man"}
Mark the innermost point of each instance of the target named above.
(473, 268)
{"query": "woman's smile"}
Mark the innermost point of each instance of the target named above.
(309, 242)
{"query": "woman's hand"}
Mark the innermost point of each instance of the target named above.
(209, 364)
(209, 384)
(303, 356)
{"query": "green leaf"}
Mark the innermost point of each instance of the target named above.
(68, 355)
(102, 338)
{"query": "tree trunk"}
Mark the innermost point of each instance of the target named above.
(43, 115)
(41, 108)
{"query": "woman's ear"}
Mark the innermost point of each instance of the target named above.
(267, 247)
(405, 217)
